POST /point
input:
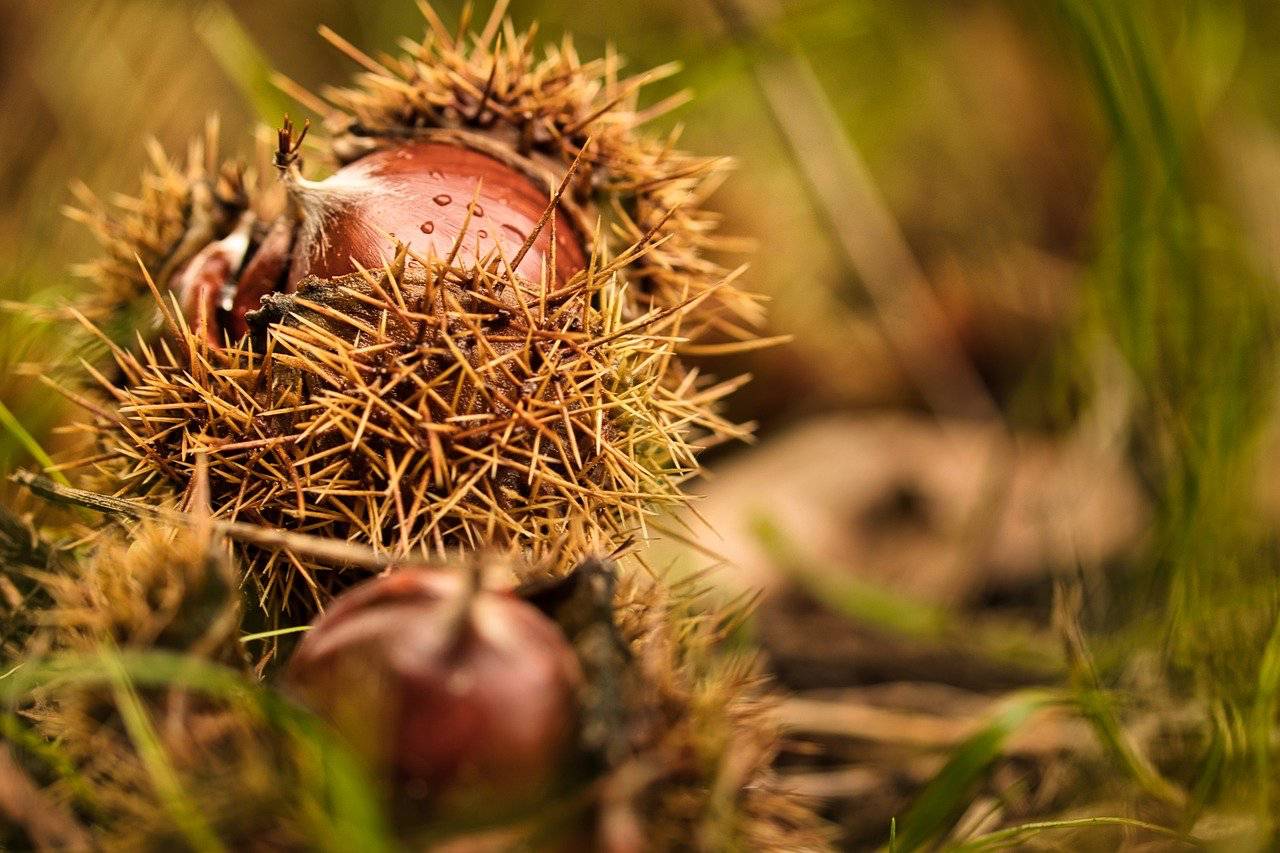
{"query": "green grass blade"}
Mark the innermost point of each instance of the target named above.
(241, 60)
(1017, 835)
(945, 798)
(1097, 706)
(861, 601)
(164, 778)
(1262, 720)
(20, 434)
(277, 632)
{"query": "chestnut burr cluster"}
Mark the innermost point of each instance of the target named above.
(440, 336)
(422, 351)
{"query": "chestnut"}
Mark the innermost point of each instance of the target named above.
(263, 274)
(204, 282)
(465, 700)
(418, 193)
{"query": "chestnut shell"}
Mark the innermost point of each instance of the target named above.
(418, 193)
(459, 714)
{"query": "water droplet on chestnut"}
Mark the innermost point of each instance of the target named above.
(427, 227)
(442, 199)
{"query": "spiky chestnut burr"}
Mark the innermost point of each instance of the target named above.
(490, 99)
(516, 408)
(418, 408)
(486, 391)
(493, 91)
(466, 699)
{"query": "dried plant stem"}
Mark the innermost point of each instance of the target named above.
(335, 551)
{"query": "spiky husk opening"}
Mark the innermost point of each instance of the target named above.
(418, 409)
(179, 209)
(494, 90)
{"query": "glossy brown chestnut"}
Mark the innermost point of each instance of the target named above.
(263, 274)
(466, 700)
(419, 192)
(202, 282)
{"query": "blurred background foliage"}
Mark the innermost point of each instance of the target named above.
(1024, 437)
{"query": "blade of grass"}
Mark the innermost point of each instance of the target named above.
(1263, 720)
(1015, 835)
(874, 605)
(164, 778)
(945, 797)
(1097, 706)
(860, 224)
(14, 427)
(241, 60)
(861, 601)
(278, 632)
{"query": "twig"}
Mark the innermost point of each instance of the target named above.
(316, 547)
